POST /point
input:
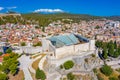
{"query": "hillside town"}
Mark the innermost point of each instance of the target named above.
(62, 50)
(102, 30)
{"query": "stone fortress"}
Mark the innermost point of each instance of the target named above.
(63, 47)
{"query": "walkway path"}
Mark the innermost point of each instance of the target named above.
(54, 76)
(30, 67)
(27, 74)
(24, 64)
(41, 63)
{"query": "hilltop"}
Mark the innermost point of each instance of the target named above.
(45, 19)
(116, 18)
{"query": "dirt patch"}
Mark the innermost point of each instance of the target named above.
(19, 76)
(85, 77)
(114, 74)
(35, 63)
(33, 75)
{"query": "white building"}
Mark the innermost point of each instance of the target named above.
(113, 24)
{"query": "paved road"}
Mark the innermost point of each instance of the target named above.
(24, 64)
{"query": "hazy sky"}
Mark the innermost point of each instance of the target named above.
(94, 7)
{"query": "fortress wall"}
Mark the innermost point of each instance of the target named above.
(64, 51)
(1, 15)
(92, 45)
(81, 48)
(73, 49)
(45, 45)
(29, 50)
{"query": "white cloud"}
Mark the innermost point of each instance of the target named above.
(1, 8)
(11, 7)
(49, 10)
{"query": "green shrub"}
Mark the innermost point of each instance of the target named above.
(1, 53)
(70, 76)
(113, 78)
(61, 66)
(9, 50)
(40, 74)
(97, 27)
(23, 44)
(118, 70)
(107, 70)
(119, 77)
(86, 60)
(3, 76)
(95, 70)
(68, 64)
(37, 44)
(99, 77)
(10, 63)
(93, 55)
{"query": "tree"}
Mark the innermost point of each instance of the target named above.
(70, 76)
(3, 76)
(98, 44)
(68, 64)
(13, 68)
(119, 77)
(40, 74)
(1, 53)
(107, 70)
(23, 44)
(10, 64)
(37, 44)
(43, 29)
(9, 50)
(61, 66)
(109, 44)
(111, 50)
(113, 78)
(93, 55)
(104, 44)
(105, 54)
(95, 70)
(116, 54)
(118, 50)
(86, 60)
(100, 77)
(115, 44)
(97, 27)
